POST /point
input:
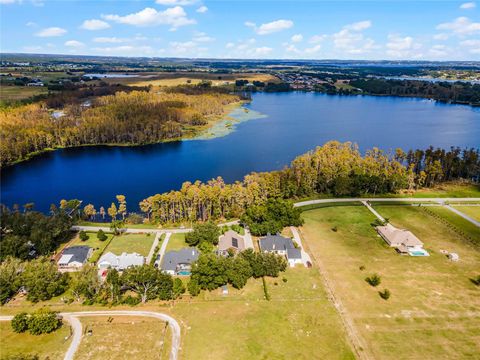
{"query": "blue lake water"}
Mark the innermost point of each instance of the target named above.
(294, 123)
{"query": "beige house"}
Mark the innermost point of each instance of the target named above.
(403, 240)
(230, 240)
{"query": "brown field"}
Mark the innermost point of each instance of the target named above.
(9, 93)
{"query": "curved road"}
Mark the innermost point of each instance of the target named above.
(72, 318)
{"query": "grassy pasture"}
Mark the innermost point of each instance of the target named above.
(9, 93)
(433, 310)
(472, 211)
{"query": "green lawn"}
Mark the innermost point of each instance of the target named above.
(48, 346)
(472, 211)
(97, 245)
(176, 242)
(433, 309)
(139, 243)
(298, 322)
(130, 226)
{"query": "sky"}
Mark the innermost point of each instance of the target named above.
(262, 29)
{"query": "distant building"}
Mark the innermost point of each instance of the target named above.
(294, 257)
(403, 240)
(230, 240)
(120, 262)
(178, 262)
(73, 258)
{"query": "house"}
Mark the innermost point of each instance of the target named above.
(73, 258)
(403, 240)
(121, 262)
(276, 244)
(294, 257)
(178, 262)
(230, 240)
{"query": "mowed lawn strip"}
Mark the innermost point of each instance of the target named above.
(130, 243)
(124, 337)
(433, 311)
(176, 242)
(298, 322)
(47, 346)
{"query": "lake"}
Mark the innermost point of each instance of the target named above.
(292, 123)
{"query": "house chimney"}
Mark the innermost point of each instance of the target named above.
(273, 246)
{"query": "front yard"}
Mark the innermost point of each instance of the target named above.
(130, 243)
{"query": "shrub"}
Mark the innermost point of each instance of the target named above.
(373, 280)
(284, 279)
(131, 300)
(265, 290)
(83, 236)
(385, 294)
(335, 229)
(20, 322)
(193, 288)
(101, 235)
(21, 357)
(134, 218)
(43, 321)
(362, 267)
(476, 280)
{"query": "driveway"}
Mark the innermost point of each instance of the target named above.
(298, 240)
(164, 247)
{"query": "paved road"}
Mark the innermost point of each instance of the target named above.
(154, 246)
(373, 211)
(418, 200)
(466, 217)
(164, 247)
(296, 236)
(72, 318)
(248, 240)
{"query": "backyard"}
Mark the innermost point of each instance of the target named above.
(433, 305)
(130, 243)
(97, 245)
(176, 242)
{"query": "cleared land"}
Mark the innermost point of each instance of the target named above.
(20, 92)
(433, 311)
(124, 337)
(48, 346)
(297, 323)
(139, 243)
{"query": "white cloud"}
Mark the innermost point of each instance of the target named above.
(351, 39)
(74, 43)
(317, 38)
(10, 2)
(30, 23)
(441, 36)
(94, 24)
(125, 50)
(291, 49)
(439, 51)
(359, 26)
(109, 40)
(472, 45)
(202, 37)
(297, 38)
(230, 45)
(461, 26)
(187, 48)
(175, 17)
(262, 51)
(271, 27)
(33, 48)
(402, 47)
(51, 31)
(313, 49)
(175, 2)
(468, 5)
(202, 9)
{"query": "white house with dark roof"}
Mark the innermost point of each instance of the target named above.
(74, 257)
(276, 244)
(294, 257)
(120, 262)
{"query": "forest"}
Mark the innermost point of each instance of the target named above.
(134, 118)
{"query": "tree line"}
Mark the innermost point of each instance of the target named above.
(337, 169)
(136, 117)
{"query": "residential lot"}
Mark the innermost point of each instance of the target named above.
(130, 243)
(472, 211)
(297, 323)
(176, 242)
(47, 346)
(97, 245)
(124, 337)
(433, 311)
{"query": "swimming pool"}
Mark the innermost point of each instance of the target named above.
(418, 253)
(184, 273)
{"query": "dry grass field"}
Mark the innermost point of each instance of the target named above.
(434, 308)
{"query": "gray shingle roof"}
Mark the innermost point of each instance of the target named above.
(294, 254)
(79, 253)
(275, 242)
(183, 256)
